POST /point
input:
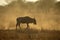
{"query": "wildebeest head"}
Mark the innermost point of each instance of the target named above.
(34, 21)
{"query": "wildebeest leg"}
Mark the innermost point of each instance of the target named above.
(19, 26)
(27, 26)
(16, 26)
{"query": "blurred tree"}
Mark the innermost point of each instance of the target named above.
(45, 4)
(57, 8)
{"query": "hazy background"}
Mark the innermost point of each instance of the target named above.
(46, 12)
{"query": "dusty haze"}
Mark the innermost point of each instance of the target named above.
(46, 13)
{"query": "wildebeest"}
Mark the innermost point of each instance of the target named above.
(26, 20)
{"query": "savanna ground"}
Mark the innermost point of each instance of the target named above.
(29, 34)
(46, 12)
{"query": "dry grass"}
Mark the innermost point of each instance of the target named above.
(29, 34)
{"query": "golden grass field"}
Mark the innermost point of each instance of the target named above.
(46, 13)
(29, 34)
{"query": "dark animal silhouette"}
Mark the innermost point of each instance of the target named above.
(26, 20)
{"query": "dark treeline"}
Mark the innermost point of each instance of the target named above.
(43, 5)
